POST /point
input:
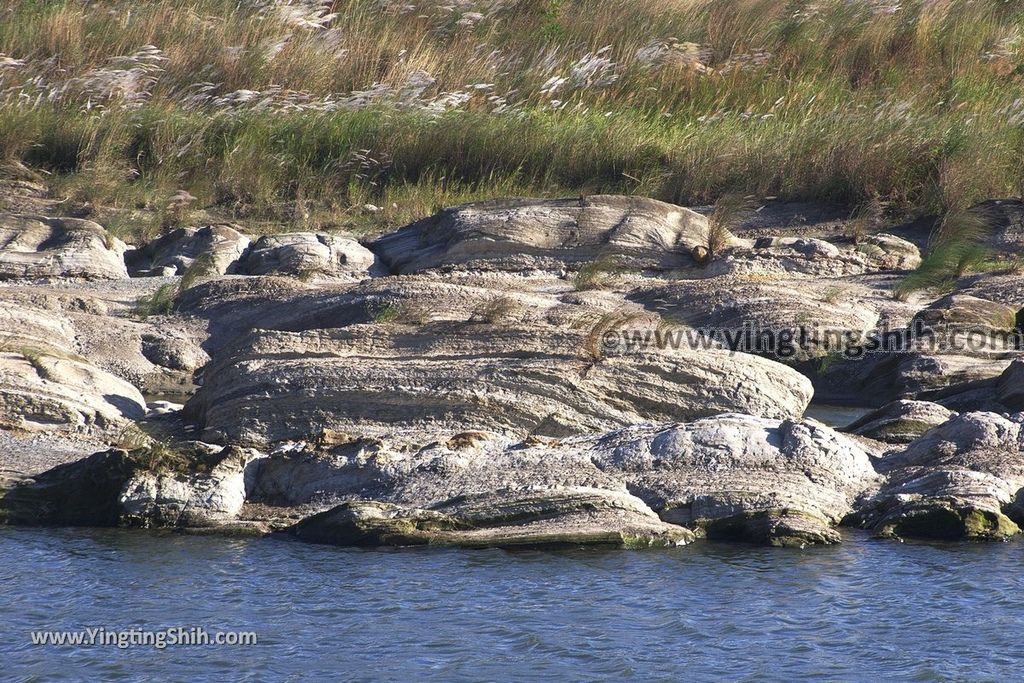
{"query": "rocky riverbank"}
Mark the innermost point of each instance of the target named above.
(508, 373)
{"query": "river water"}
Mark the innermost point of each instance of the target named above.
(865, 610)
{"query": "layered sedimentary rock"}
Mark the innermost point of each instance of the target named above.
(815, 317)
(37, 247)
(46, 387)
(952, 351)
(559, 517)
(217, 249)
(307, 253)
(963, 479)
(627, 232)
(522, 381)
(818, 257)
(425, 357)
(900, 421)
(731, 476)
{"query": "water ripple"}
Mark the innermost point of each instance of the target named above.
(860, 611)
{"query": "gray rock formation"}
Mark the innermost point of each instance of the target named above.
(211, 497)
(731, 476)
(217, 247)
(131, 488)
(736, 476)
(951, 352)
(965, 312)
(425, 357)
(553, 518)
(524, 234)
(900, 422)
(46, 386)
(307, 253)
(1010, 386)
(494, 392)
(822, 310)
(36, 247)
(818, 257)
(962, 479)
(889, 252)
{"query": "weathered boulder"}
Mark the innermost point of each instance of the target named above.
(1003, 288)
(424, 357)
(218, 247)
(36, 247)
(1010, 386)
(204, 498)
(131, 488)
(41, 391)
(45, 386)
(742, 477)
(963, 312)
(523, 234)
(900, 421)
(889, 252)
(173, 350)
(307, 253)
(960, 480)
(952, 379)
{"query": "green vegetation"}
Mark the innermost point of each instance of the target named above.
(291, 115)
(958, 248)
(164, 300)
(160, 302)
(384, 312)
(597, 274)
(154, 452)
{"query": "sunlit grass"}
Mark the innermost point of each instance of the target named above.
(300, 114)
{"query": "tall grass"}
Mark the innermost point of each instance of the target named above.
(305, 112)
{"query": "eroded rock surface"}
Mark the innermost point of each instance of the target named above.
(826, 315)
(37, 247)
(901, 421)
(122, 488)
(307, 253)
(210, 497)
(218, 248)
(426, 357)
(493, 392)
(46, 386)
(818, 257)
(731, 476)
(560, 517)
(627, 232)
(962, 479)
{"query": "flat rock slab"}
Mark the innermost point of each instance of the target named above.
(555, 518)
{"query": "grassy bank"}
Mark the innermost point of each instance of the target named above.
(301, 114)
